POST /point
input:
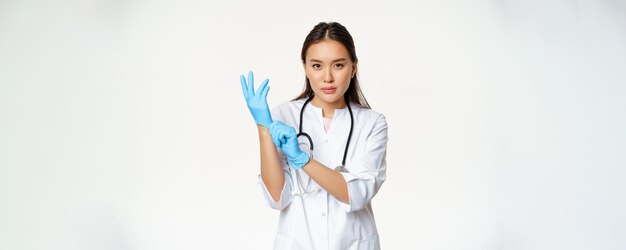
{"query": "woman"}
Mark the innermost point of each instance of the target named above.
(323, 190)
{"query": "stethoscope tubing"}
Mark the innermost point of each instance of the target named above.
(301, 133)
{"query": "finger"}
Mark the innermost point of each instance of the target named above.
(277, 131)
(277, 137)
(250, 83)
(274, 125)
(283, 140)
(261, 88)
(273, 132)
(290, 132)
(289, 138)
(244, 86)
(281, 131)
(282, 134)
(265, 91)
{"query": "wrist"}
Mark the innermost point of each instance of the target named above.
(300, 161)
(263, 131)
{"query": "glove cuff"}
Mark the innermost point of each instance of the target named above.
(299, 162)
(264, 122)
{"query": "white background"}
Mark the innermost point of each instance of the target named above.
(123, 126)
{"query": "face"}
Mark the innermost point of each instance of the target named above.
(329, 69)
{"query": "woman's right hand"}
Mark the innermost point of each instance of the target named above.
(257, 102)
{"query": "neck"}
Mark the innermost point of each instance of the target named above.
(328, 109)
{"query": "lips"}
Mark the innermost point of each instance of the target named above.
(329, 90)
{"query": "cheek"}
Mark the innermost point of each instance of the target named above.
(313, 76)
(346, 77)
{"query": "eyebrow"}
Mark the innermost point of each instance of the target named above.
(336, 60)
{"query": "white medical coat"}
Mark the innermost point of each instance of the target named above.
(317, 220)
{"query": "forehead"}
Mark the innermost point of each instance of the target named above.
(327, 50)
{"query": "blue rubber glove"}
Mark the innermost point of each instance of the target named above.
(257, 102)
(285, 137)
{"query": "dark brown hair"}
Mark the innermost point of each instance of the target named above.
(337, 32)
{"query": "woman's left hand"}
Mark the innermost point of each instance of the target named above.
(285, 137)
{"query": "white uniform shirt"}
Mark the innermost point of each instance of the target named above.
(311, 218)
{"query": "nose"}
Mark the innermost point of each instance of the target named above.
(328, 76)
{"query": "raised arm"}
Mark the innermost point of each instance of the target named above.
(271, 170)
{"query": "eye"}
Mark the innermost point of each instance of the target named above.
(316, 66)
(339, 65)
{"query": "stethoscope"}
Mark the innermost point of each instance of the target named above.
(308, 137)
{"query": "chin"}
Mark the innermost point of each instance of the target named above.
(331, 99)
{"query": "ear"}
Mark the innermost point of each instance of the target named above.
(354, 68)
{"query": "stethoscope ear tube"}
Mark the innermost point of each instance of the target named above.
(345, 153)
(301, 118)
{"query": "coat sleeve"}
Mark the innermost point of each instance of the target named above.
(286, 195)
(367, 172)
